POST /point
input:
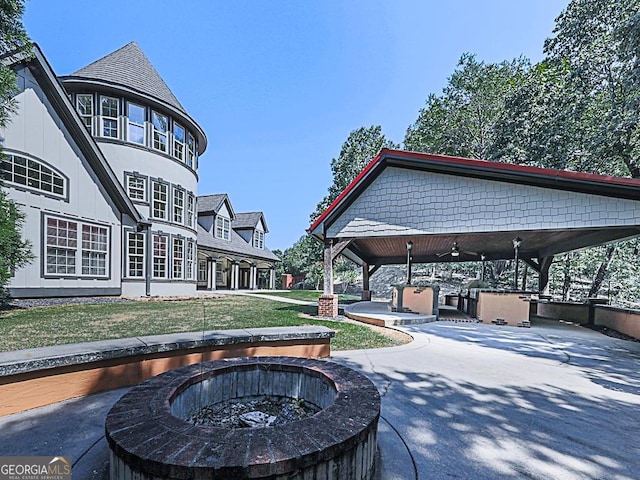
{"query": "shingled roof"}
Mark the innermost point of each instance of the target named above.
(129, 67)
(212, 203)
(248, 220)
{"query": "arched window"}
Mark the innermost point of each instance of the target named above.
(32, 174)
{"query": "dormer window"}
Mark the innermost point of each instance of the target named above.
(258, 239)
(223, 228)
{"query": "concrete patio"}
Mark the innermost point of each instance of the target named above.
(463, 400)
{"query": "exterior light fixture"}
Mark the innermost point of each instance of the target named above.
(455, 251)
(517, 242)
(409, 248)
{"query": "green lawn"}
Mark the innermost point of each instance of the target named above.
(57, 325)
(307, 295)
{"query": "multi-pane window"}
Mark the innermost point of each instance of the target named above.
(160, 197)
(202, 270)
(178, 205)
(109, 111)
(62, 246)
(178, 141)
(135, 254)
(178, 257)
(84, 105)
(160, 125)
(76, 248)
(190, 257)
(258, 239)
(159, 256)
(137, 188)
(135, 123)
(190, 209)
(94, 250)
(219, 273)
(191, 150)
(222, 228)
(32, 174)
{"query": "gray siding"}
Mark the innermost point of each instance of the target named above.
(410, 202)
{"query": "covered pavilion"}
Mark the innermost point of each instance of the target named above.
(459, 209)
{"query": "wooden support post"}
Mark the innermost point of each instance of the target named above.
(543, 275)
(366, 293)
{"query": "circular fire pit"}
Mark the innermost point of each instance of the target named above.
(151, 433)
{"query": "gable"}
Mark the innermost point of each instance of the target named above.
(402, 201)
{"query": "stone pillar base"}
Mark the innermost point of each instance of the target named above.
(328, 306)
(365, 296)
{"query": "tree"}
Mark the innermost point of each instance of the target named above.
(461, 121)
(361, 146)
(14, 252)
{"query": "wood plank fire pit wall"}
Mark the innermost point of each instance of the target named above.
(152, 434)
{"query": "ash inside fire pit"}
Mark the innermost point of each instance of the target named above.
(259, 412)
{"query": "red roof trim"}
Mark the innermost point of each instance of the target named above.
(523, 170)
(345, 192)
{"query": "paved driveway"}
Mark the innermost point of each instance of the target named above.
(483, 402)
(462, 401)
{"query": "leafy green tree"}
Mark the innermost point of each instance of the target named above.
(461, 121)
(14, 252)
(361, 146)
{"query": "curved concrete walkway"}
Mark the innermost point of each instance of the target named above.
(466, 401)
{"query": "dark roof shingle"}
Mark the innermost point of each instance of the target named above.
(248, 220)
(129, 67)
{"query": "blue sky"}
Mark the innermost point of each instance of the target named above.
(278, 85)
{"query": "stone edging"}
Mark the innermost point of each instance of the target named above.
(37, 359)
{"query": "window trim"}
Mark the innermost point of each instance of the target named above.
(84, 116)
(143, 124)
(164, 134)
(104, 117)
(165, 257)
(175, 258)
(224, 228)
(190, 209)
(10, 154)
(178, 210)
(127, 256)
(78, 248)
(166, 202)
(183, 144)
(258, 239)
(128, 176)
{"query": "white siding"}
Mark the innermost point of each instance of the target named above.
(36, 131)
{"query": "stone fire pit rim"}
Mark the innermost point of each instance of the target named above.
(141, 429)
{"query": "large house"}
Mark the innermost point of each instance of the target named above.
(104, 164)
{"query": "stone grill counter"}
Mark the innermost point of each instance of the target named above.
(150, 437)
